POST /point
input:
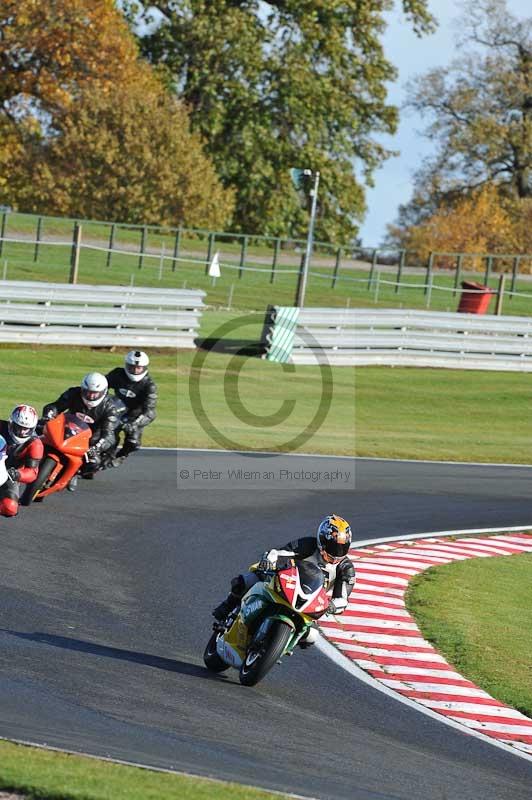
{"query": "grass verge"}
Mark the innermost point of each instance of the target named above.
(454, 415)
(46, 775)
(253, 403)
(478, 614)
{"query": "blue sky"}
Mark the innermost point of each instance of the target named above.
(411, 56)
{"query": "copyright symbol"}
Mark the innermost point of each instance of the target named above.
(289, 413)
(184, 474)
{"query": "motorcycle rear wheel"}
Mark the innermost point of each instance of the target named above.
(31, 490)
(211, 658)
(260, 658)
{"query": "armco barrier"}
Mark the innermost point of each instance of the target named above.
(458, 341)
(409, 338)
(57, 313)
(310, 335)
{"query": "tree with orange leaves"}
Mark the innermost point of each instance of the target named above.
(87, 128)
(50, 50)
(484, 221)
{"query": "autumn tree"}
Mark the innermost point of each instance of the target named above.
(274, 85)
(88, 127)
(129, 155)
(479, 112)
(481, 222)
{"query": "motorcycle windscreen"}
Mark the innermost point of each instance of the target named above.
(310, 577)
(75, 423)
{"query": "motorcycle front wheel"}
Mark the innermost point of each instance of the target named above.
(261, 656)
(32, 489)
(211, 658)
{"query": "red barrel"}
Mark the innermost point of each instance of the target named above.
(475, 298)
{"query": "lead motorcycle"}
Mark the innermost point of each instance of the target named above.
(275, 614)
(66, 440)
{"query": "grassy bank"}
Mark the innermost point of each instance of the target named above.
(242, 289)
(478, 613)
(456, 415)
(253, 403)
(44, 775)
(249, 289)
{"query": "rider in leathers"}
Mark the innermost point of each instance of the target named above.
(328, 550)
(135, 387)
(24, 454)
(102, 419)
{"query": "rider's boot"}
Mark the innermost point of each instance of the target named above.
(226, 606)
(73, 483)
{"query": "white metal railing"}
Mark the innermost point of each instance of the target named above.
(465, 341)
(410, 337)
(57, 313)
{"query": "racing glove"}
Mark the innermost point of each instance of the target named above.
(93, 453)
(14, 474)
(337, 606)
(268, 560)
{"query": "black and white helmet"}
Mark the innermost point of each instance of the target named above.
(136, 365)
(93, 389)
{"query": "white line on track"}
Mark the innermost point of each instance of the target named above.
(332, 455)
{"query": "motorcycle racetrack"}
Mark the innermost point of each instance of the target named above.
(105, 600)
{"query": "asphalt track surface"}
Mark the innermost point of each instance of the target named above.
(105, 600)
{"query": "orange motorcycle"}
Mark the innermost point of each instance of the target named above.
(66, 441)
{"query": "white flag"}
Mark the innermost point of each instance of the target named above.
(214, 266)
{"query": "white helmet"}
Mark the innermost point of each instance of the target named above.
(22, 423)
(93, 389)
(136, 365)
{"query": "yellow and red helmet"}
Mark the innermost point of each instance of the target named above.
(334, 538)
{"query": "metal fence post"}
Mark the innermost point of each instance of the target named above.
(176, 248)
(376, 282)
(337, 266)
(37, 239)
(428, 278)
(111, 245)
(2, 231)
(489, 261)
(429, 289)
(142, 245)
(400, 270)
(372, 269)
(515, 270)
(275, 258)
(500, 294)
(74, 256)
(210, 246)
(458, 273)
(161, 260)
(243, 254)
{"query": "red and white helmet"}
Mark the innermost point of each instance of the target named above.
(93, 389)
(22, 423)
(136, 365)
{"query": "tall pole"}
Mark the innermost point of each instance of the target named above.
(303, 272)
